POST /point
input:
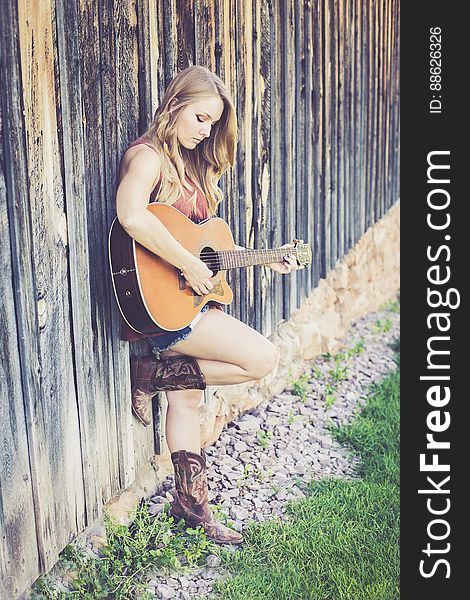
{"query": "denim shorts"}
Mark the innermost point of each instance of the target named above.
(163, 342)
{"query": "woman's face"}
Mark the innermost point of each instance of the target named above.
(195, 122)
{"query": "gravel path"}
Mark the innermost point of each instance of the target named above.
(263, 459)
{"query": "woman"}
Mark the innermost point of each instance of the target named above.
(179, 161)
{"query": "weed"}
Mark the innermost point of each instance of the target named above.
(330, 395)
(392, 305)
(292, 417)
(338, 373)
(339, 357)
(263, 475)
(382, 325)
(263, 437)
(317, 374)
(246, 471)
(301, 387)
(358, 348)
(130, 554)
(220, 515)
(330, 399)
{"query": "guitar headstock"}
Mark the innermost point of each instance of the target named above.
(303, 253)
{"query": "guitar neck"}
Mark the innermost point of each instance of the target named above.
(233, 259)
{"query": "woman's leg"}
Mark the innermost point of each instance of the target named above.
(227, 350)
(182, 420)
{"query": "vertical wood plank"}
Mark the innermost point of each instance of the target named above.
(289, 156)
(52, 419)
(327, 242)
(229, 209)
(375, 41)
(276, 156)
(318, 248)
(19, 552)
(91, 414)
(343, 139)
(170, 40)
(332, 30)
(204, 15)
(309, 139)
(387, 106)
(133, 441)
(265, 199)
(260, 138)
(299, 279)
(100, 161)
(351, 125)
(150, 59)
(185, 25)
(363, 110)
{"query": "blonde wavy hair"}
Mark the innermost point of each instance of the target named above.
(211, 158)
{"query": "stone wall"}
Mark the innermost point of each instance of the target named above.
(361, 281)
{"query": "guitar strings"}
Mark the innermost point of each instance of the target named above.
(235, 253)
(213, 258)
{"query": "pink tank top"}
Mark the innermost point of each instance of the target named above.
(184, 203)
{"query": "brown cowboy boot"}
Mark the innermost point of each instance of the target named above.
(150, 375)
(191, 502)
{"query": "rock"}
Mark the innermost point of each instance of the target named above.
(246, 457)
(213, 561)
(238, 513)
(184, 582)
(165, 591)
(156, 509)
(241, 446)
(249, 424)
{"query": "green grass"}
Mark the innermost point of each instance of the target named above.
(342, 540)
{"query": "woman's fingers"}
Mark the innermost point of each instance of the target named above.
(202, 288)
(291, 261)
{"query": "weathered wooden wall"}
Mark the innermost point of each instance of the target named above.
(316, 91)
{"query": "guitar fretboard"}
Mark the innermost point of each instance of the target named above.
(223, 260)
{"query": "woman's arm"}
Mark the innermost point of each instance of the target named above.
(139, 172)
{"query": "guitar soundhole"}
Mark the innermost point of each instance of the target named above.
(210, 258)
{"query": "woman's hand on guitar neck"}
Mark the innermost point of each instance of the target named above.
(198, 276)
(288, 264)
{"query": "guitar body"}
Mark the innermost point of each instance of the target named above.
(152, 294)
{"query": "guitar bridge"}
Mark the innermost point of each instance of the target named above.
(181, 281)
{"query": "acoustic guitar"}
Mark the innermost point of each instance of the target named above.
(153, 295)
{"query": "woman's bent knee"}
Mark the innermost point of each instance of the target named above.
(266, 360)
